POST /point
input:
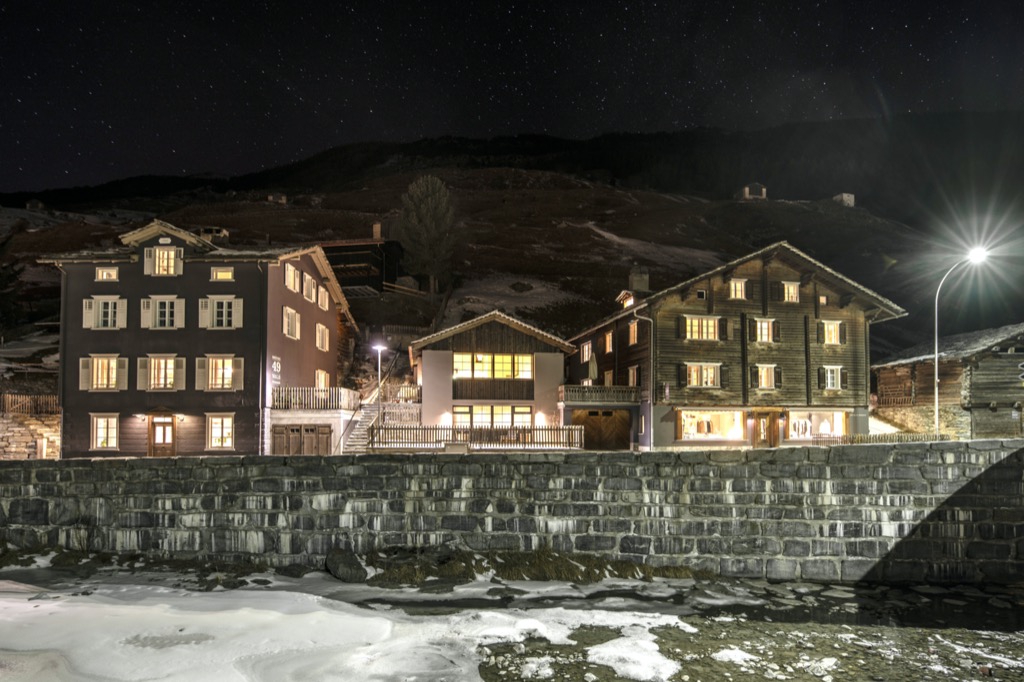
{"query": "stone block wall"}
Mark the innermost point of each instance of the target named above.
(29, 436)
(938, 512)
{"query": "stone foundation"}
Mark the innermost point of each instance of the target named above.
(29, 436)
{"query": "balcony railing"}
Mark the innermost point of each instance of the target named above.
(26, 403)
(869, 438)
(310, 398)
(598, 395)
(507, 438)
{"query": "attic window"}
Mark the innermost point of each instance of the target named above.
(222, 274)
(823, 300)
(702, 294)
(106, 274)
(737, 288)
(627, 301)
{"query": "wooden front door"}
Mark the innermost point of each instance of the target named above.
(161, 435)
(766, 430)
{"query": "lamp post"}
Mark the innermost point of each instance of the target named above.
(379, 347)
(976, 255)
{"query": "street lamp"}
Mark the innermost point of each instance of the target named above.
(976, 255)
(380, 348)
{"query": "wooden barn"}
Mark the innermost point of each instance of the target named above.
(980, 389)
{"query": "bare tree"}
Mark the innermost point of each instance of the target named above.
(426, 230)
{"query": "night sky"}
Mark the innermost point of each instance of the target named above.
(94, 91)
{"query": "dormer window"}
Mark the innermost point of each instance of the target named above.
(627, 301)
(163, 261)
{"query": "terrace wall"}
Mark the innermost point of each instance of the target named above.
(937, 512)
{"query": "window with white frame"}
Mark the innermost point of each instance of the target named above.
(633, 376)
(103, 373)
(162, 312)
(764, 376)
(308, 287)
(104, 312)
(219, 373)
(220, 431)
(103, 431)
(323, 379)
(292, 320)
(702, 327)
(160, 373)
(292, 277)
(585, 351)
(634, 333)
(220, 312)
(219, 273)
(737, 288)
(323, 298)
(764, 330)
(609, 337)
(831, 332)
(791, 292)
(491, 366)
(323, 337)
(703, 374)
(106, 273)
(163, 261)
(831, 377)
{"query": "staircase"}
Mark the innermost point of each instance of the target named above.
(357, 440)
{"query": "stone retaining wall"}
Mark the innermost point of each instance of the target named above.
(940, 512)
(25, 436)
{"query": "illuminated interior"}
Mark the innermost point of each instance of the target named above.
(696, 425)
(803, 425)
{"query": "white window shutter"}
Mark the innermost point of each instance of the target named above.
(237, 373)
(146, 313)
(142, 379)
(236, 313)
(88, 314)
(179, 313)
(147, 257)
(122, 313)
(84, 373)
(200, 374)
(179, 374)
(122, 374)
(284, 321)
(179, 261)
(298, 325)
(204, 313)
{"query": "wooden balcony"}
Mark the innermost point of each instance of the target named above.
(598, 395)
(24, 403)
(310, 398)
(502, 438)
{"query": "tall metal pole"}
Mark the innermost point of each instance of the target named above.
(935, 360)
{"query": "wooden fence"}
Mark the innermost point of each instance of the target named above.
(507, 438)
(310, 398)
(868, 438)
(24, 403)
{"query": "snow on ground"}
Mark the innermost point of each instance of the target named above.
(480, 296)
(148, 632)
(659, 253)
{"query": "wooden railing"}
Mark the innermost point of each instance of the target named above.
(507, 438)
(24, 403)
(310, 398)
(599, 395)
(869, 438)
(404, 393)
(892, 396)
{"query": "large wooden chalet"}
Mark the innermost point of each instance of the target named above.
(768, 349)
(980, 389)
(171, 345)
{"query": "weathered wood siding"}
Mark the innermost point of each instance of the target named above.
(993, 389)
(492, 337)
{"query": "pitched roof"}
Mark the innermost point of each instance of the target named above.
(959, 346)
(493, 316)
(156, 227)
(886, 309)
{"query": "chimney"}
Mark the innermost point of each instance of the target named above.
(377, 231)
(639, 280)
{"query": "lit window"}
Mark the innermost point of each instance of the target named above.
(737, 288)
(481, 415)
(831, 377)
(462, 366)
(323, 337)
(103, 432)
(220, 431)
(710, 425)
(106, 274)
(503, 366)
(161, 373)
(323, 379)
(633, 378)
(702, 327)
(764, 331)
(522, 415)
(222, 274)
(323, 298)
(308, 287)
(633, 326)
(291, 323)
(104, 312)
(831, 332)
(703, 375)
(628, 301)
(586, 382)
(791, 292)
(220, 372)
(524, 367)
(482, 366)
(502, 416)
(763, 376)
(608, 337)
(103, 373)
(462, 416)
(823, 300)
(585, 351)
(166, 261)
(292, 277)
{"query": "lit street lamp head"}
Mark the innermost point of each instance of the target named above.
(978, 254)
